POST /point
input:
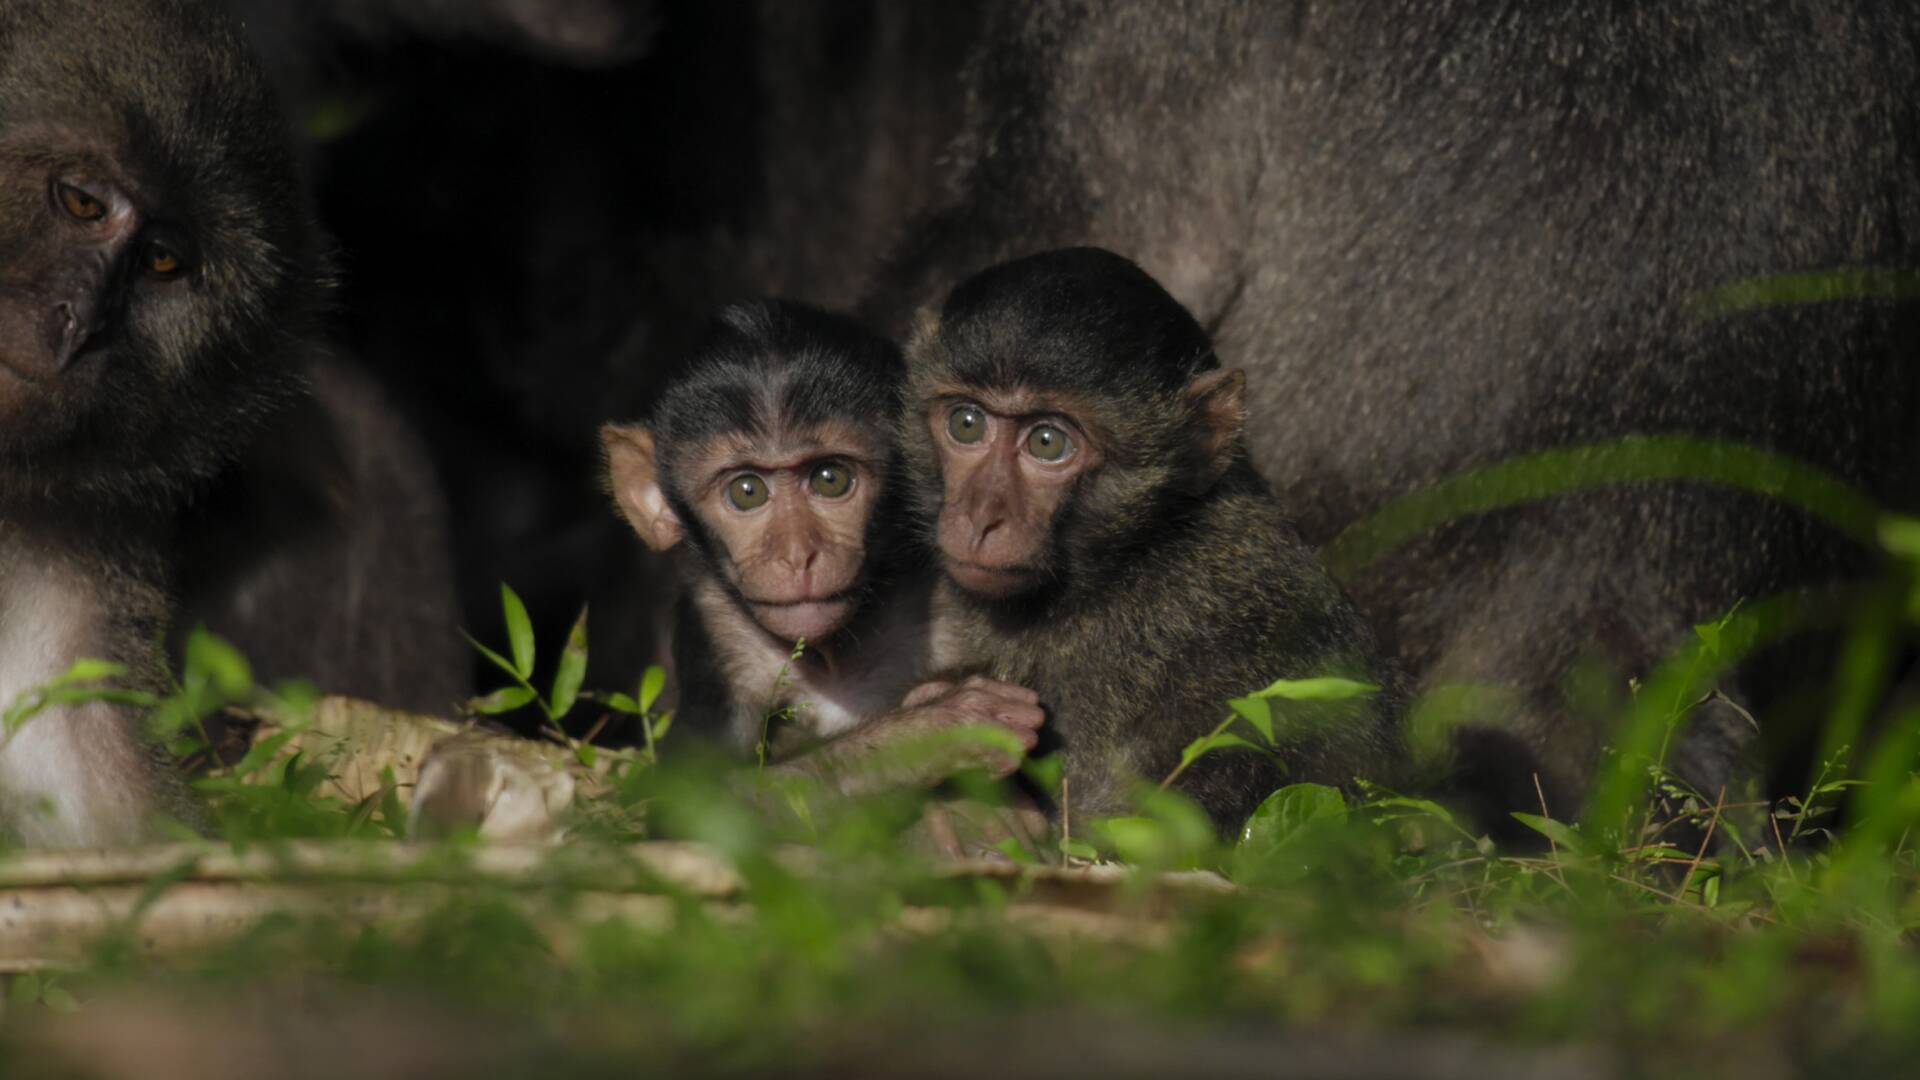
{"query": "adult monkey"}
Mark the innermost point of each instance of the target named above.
(160, 284)
(1442, 235)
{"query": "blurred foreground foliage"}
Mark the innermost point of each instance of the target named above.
(1666, 931)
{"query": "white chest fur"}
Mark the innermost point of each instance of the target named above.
(71, 776)
(824, 696)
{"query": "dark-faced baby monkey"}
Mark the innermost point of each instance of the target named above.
(1075, 449)
(769, 467)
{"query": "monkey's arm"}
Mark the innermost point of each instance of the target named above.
(917, 745)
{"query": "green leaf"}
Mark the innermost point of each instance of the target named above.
(661, 723)
(295, 699)
(494, 658)
(25, 989)
(519, 631)
(1900, 535)
(504, 700)
(262, 752)
(652, 682)
(1257, 711)
(1323, 688)
(1045, 772)
(220, 663)
(89, 670)
(1424, 806)
(1136, 839)
(1079, 849)
(1558, 832)
(1015, 850)
(572, 670)
(587, 754)
(1219, 740)
(1284, 814)
(623, 704)
(58, 1000)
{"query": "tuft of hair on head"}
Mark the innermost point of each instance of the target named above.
(770, 361)
(1073, 318)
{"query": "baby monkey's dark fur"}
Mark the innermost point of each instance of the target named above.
(1169, 579)
(777, 393)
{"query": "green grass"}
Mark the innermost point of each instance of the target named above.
(1662, 932)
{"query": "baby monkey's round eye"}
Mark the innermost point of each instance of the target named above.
(80, 204)
(1046, 442)
(967, 424)
(747, 492)
(162, 262)
(831, 480)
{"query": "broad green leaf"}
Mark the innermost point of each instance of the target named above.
(622, 703)
(58, 1000)
(1045, 772)
(1425, 806)
(1257, 711)
(1322, 688)
(1281, 817)
(1219, 740)
(519, 631)
(1900, 535)
(1079, 849)
(572, 669)
(262, 752)
(660, 724)
(220, 663)
(494, 658)
(89, 670)
(1558, 832)
(1136, 839)
(72, 695)
(295, 699)
(587, 754)
(1015, 850)
(652, 682)
(505, 699)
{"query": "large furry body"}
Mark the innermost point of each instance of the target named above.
(162, 294)
(1440, 235)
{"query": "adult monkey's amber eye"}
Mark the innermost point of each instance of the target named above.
(832, 480)
(1048, 443)
(80, 204)
(162, 262)
(747, 492)
(967, 424)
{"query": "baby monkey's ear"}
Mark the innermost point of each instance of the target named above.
(633, 471)
(1219, 402)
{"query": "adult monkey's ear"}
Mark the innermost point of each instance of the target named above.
(633, 471)
(1219, 410)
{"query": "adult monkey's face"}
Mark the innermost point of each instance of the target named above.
(156, 257)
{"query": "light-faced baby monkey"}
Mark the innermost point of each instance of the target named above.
(1075, 449)
(770, 468)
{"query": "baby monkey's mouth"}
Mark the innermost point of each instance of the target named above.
(814, 618)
